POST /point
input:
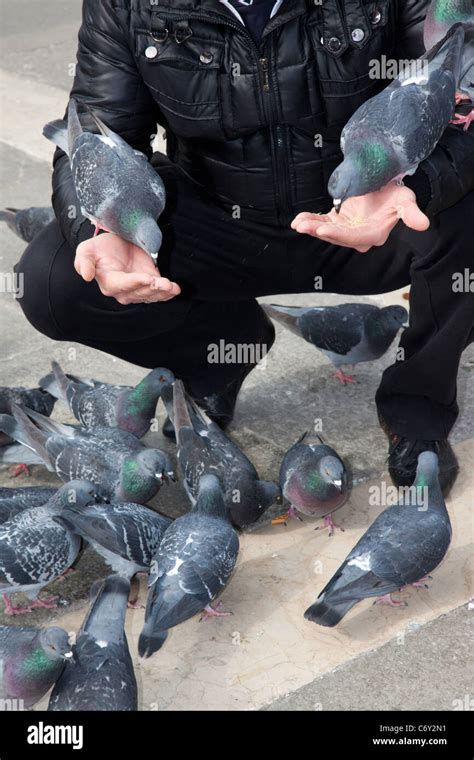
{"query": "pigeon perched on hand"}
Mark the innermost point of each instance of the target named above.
(34, 398)
(314, 480)
(100, 676)
(27, 223)
(118, 189)
(402, 546)
(96, 404)
(191, 567)
(391, 133)
(31, 661)
(349, 333)
(126, 535)
(203, 448)
(122, 468)
(34, 550)
(16, 500)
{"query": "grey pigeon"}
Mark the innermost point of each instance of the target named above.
(314, 480)
(402, 546)
(104, 405)
(118, 189)
(31, 661)
(203, 448)
(191, 567)
(126, 535)
(27, 223)
(34, 398)
(441, 16)
(122, 467)
(34, 550)
(15, 500)
(101, 675)
(390, 134)
(349, 333)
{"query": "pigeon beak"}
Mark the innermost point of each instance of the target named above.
(68, 655)
(154, 257)
(337, 203)
(171, 476)
(160, 477)
(338, 484)
(405, 325)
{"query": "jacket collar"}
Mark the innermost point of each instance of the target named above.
(287, 10)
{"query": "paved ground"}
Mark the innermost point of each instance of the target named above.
(275, 578)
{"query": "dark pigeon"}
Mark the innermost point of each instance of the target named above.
(122, 467)
(104, 405)
(34, 550)
(101, 675)
(27, 223)
(31, 661)
(34, 398)
(314, 480)
(127, 536)
(349, 333)
(192, 566)
(390, 134)
(402, 546)
(15, 500)
(118, 189)
(203, 448)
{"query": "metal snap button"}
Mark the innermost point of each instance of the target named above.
(357, 35)
(206, 57)
(334, 44)
(375, 17)
(151, 51)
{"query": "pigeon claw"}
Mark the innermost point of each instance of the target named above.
(343, 378)
(210, 612)
(18, 469)
(466, 120)
(387, 599)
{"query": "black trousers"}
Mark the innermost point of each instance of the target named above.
(224, 257)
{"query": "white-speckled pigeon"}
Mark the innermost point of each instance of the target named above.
(31, 661)
(390, 134)
(34, 550)
(349, 333)
(15, 500)
(118, 189)
(191, 567)
(100, 676)
(203, 448)
(104, 405)
(314, 480)
(402, 546)
(123, 468)
(126, 535)
(27, 223)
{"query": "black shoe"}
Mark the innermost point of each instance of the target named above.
(403, 459)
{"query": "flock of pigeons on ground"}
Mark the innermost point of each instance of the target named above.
(109, 475)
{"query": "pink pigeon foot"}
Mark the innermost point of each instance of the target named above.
(283, 519)
(11, 610)
(64, 575)
(422, 583)
(330, 525)
(343, 378)
(50, 603)
(387, 599)
(466, 120)
(18, 469)
(461, 97)
(210, 612)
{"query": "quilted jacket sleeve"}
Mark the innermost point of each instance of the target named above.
(107, 80)
(447, 175)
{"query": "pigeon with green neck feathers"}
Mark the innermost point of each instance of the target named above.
(122, 467)
(403, 545)
(31, 661)
(96, 404)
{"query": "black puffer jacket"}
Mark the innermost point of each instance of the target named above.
(243, 121)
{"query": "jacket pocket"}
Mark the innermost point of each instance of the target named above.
(183, 78)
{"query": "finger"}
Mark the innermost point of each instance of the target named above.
(122, 283)
(306, 216)
(413, 217)
(165, 286)
(84, 263)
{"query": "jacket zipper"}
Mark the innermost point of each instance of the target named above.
(278, 137)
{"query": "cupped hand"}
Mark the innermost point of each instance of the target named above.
(122, 270)
(366, 220)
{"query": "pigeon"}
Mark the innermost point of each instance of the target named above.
(101, 675)
(97, 404)
(31, 661)
(314, 480)
(203, 448)
(349, 333)
(118, 189)
(122, 468)
(34, 398)
(193, 564)
(16, 500)
(390, 134)
(27, 223)
(402, 546)
(441, 16)
(127, 536)
(34, 550)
